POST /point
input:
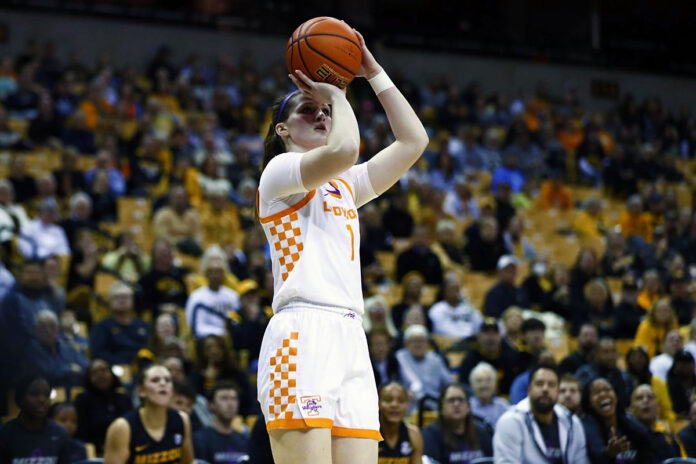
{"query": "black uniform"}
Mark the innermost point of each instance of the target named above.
(21, 446)
(402, 451)
(145, 450)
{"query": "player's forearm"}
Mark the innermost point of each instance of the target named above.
(344, 139)
(404, 122)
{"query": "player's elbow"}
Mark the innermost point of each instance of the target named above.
(421, 140)
(346, 152)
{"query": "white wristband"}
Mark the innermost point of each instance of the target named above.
(380, 82)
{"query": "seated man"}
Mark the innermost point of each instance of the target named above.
(209, 308)
(588, 339)
(220, 443)
(489, 347)
(52, 356)
(570, 394)
(423, 372)
(42, 237)
(162, 289)
(19, 309)
(644, 409)
(420, 257)
(604, 365)
(533, 342)
(454, 316)
(179, 224)
(503, 294)
(118, 338)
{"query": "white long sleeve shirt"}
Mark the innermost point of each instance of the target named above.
(49, 239)
(207, 311)
(458, 321)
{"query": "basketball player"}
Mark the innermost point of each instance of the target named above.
(154, 432)
(315, 382)
(403, 444)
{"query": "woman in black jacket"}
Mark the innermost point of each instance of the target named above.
(100, 404)
(611, 435)
(681, 382)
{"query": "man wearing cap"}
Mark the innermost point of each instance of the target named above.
(503, 294)
(489, 347)
(628, 312)
(42, 237)
(682, 303)
(422, 372)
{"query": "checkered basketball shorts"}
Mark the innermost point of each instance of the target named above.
(315, 371)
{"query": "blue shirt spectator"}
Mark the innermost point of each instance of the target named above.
(118, 339)
(52, 356)
(509, 174)
(117, 184)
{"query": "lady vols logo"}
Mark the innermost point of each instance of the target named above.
(311, 404)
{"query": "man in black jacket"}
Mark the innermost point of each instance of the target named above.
(588, 338)
(489, 347)
(604, 366)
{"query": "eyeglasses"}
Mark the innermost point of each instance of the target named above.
(455, 400)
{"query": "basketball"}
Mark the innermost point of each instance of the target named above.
(326, 50)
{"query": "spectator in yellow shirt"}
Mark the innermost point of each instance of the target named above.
(635, 222)
(179, 224)
(590, 222)
(554, 194)
(652, 330)
(652, 289)
(220, 220)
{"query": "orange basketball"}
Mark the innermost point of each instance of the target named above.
(326, 50)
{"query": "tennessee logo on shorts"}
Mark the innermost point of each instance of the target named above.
(311, 404)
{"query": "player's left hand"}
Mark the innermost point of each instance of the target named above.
(369, 67)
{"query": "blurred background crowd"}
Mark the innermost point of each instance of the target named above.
(532, 228)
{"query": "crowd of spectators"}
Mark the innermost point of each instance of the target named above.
(186, 136)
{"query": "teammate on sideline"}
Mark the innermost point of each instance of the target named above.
(153, 432)
(403, 443)
(315, 381)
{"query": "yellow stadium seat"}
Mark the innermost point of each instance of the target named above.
(455, 358)
(387, 260)
(59, 395)
(251, 421)
(134, 210)
(443, 342)
(91, 450)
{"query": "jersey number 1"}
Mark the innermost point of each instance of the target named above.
(352, 242)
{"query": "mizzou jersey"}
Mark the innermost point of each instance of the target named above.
(145, 450)
(402, 451)
(314, 236)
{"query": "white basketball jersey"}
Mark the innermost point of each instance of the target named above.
(314, 236)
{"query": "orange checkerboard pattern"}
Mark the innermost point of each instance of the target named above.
(283, 378)
(287, 238)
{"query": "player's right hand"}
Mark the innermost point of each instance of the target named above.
(318, 91)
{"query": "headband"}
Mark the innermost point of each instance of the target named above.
(283, 103)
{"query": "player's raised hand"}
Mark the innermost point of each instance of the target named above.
(318, 91)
